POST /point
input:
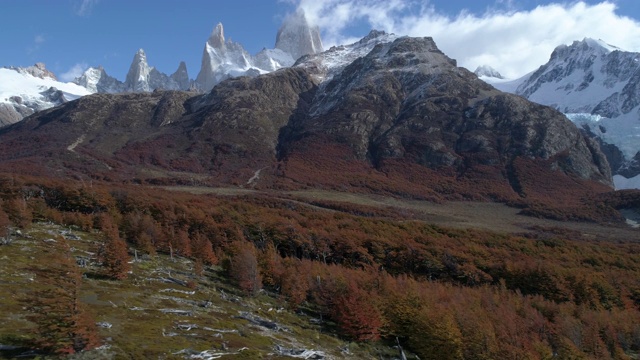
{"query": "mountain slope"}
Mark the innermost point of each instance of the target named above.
(402, 120)
(598, 86)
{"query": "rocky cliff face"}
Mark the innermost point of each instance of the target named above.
(402, 119)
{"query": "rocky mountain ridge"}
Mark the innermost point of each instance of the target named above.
(221, 59)
(596, 85)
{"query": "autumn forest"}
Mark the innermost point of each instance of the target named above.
(378, 275)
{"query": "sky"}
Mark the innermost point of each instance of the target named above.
(513, 36)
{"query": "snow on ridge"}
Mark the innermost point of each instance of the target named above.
(333, 61)
(22, 94)
(601, 43)
(29, 88)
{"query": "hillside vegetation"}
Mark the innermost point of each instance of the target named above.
(368, 274)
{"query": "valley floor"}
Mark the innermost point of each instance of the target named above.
(455, 214)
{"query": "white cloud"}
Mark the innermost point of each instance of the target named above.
(38, 40)
(85, 7)
(74, 72)
(513, 42)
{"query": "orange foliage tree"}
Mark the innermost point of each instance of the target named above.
(112, 253)
(5, 223)
(356, 312)
(63, 325)
(243, 267)
(115, 258)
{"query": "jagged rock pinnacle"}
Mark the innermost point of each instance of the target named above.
(138, 76)
(216, 39)
(181, 77)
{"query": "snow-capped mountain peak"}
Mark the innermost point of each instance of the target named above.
(584, 49)
(487, 71)
(24, 91)
(580, 76)
(598, 86)
(96, 80)
(223, 58)
(601, 43)
(216, 39)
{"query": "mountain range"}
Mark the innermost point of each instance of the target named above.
(592, 83)
(221, 59)
(387, 114)
(597, 86)
(38, 89)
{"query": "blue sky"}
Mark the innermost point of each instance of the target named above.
(513, 36)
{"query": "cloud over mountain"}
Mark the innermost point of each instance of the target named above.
(511, 40)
